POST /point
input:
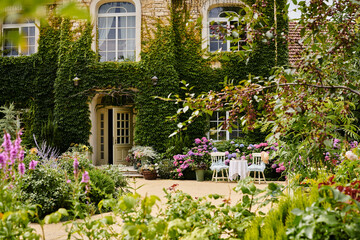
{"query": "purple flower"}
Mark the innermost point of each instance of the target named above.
(68, 181)
(2, 160)
(197, 140)
(232, 142)
(335, 143)
(76, 166)
(85, 177)
(227, 161)
(21, 155)
(241, 145)
(7, 142)
(21, 168)
(214, 149)
(233, 155)
(278, 170)
(274, 165)
(226, 153)
(33, 164)
(282, 168)
(204, 139)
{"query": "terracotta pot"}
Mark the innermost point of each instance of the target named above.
(149, 175)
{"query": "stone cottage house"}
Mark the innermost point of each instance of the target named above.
(118, 27)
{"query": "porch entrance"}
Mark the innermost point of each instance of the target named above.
(115, 135)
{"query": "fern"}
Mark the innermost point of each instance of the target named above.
(10, 121)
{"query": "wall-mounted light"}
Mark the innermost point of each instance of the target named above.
(154, 80)
(76, 81)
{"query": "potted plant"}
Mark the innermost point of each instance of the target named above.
(200, 170)
(140, 155)
(149, 171)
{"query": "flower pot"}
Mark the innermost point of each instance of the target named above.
(200, 175)
(149, 175)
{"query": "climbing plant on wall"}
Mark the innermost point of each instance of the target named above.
(71, 111)
(44, 83)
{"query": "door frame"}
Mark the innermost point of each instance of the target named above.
(105, 133)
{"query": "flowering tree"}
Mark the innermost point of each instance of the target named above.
(307, 106)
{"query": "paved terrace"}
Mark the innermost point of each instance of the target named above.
(155, 187)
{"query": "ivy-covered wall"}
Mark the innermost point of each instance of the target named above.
(59, 111)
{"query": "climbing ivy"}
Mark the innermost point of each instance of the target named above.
(43, 82)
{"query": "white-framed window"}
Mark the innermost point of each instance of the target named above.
(216, 133)
(28, 32)
(221, 25)
(117, 31)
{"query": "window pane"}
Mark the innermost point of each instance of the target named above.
(122, 33)
(116, 6)
(31, 41)
(111, 34)
(102, 45)
(122, 45)
(31, 31)
(102, 56)
(121, 55)
(131, 55)
(111, 45)
(9, 48)
(131, 32)
(111, 56)
(122, 21)
(131, 21)
(131, 45)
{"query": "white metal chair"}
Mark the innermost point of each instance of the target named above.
(217, 165)
(257, 166)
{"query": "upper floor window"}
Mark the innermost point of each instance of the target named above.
(217, 133)
(222, 22)
(12, 29)
(117, 31)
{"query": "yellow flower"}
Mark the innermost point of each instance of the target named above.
(33, 151)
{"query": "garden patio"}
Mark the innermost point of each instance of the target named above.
(201, 87)
(144, 187)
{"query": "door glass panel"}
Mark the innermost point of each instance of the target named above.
(122, 128)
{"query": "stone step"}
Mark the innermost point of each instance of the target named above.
(132, 175)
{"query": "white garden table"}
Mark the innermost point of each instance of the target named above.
(238, 168)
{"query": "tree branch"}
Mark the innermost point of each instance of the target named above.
(312, 85)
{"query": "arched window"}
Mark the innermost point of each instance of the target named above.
(26, 30)
(221, 25)
(117, 31)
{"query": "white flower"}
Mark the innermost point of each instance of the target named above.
(351, 156)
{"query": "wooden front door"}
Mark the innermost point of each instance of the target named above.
(122, 134)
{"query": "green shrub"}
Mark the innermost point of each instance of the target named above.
(47, 187)
(102, 186)
(66, 162)
(116, 175)
(166, 166)
(275, 223)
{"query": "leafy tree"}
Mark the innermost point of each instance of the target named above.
(307, 106)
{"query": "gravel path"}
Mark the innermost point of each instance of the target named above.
(155, 187)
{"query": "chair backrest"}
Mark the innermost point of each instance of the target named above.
(256, 158)
(217, 157)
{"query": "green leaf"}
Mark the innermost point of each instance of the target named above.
(328, 219)
(297, 212)
(107, 220)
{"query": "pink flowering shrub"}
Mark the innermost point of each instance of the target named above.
(12, 158)
(197, 158)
